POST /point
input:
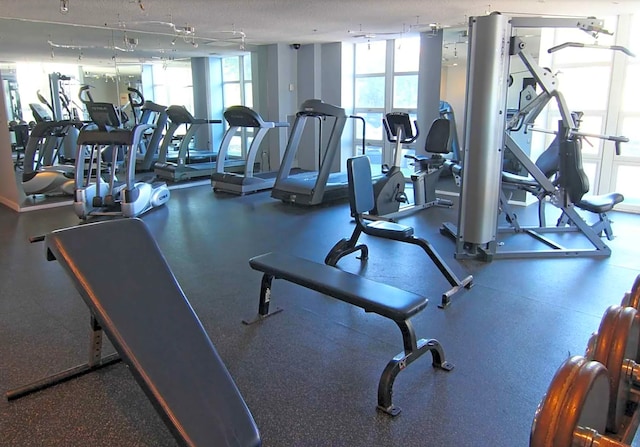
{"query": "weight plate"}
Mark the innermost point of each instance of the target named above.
(634, 295)
(577, 396)
(605, 334)
(624, 345)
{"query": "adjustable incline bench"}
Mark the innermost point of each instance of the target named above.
(142, 309)
(362, 201)
(382, 299)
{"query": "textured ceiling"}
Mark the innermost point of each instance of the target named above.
(138, 30)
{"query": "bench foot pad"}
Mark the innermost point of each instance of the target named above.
(447, 366)
(392, 411)
(258, 318)
(402, 361)
(466, 283)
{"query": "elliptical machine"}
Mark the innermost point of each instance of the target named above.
(391, 201)
(95, 197)
(41, 172)
(155, 117)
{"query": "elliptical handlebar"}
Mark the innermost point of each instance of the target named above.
(85, 95)
(136, 99)
(44, 101)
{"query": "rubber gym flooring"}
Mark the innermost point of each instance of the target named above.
(309, 375)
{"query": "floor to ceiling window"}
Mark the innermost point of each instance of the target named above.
(625, 168)
(237, 89)
(386, 79)
(173, 84)
(603, 84)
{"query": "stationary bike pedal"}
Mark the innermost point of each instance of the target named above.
(402, 197)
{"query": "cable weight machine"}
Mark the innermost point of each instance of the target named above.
(487, 135)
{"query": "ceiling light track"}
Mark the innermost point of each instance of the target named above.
(86, 47)
(182, 31)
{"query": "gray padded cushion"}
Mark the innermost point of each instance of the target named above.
(125, 280)
(518, 180)
(383, 299)
(600, 204)
(388, 230)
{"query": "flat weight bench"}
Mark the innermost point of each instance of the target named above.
(133, 296)
(382, 299)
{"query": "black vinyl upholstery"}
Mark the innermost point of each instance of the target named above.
(437, 141)
(571, 176)
(361, 199)
(130, 289)
(548, 162)
(382, 299)
(563, 160)
(600, 204)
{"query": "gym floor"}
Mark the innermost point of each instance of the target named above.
(309, 375)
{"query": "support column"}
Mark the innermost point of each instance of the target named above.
(309, 75)
(429, 80)
(331, 92)
(207, 100)
(275, 94)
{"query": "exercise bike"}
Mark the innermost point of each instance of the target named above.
(391, 201)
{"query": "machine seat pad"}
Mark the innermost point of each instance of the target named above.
(382, 299)
(388, 230)
(600, 204)
(518, 180)
(426, 161)
(130, 289)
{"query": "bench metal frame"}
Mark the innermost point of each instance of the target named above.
(149, 324)
(95, 362)
(487, 134)
(413, 348)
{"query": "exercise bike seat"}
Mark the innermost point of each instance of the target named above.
(436, 146)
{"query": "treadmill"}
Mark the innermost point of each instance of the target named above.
(239, 117)
(313, 187)
(189, 164)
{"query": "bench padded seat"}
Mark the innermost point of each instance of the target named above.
(388, 230)
(601, 203)
(130, 289)
(385, 300)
